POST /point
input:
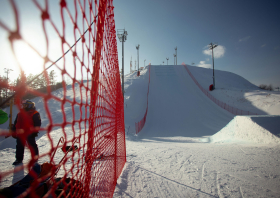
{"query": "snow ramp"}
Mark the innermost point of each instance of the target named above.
(256, 129)
(178, 108)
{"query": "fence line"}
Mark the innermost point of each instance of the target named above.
(223, 105)
(89, 153)
(139, 125)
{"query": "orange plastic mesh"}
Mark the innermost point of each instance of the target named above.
(88, 156)
(223, 105)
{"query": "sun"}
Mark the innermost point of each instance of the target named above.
(29, 60)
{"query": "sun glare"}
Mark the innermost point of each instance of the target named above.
(30, 61)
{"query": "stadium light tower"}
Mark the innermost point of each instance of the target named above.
(122, 35)
(174, 58)
(6, 70)
(167, 60)
(176, 55)
(211, 47)
(137, 47)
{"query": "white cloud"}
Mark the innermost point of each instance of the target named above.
(219, 51)
(203, 64)
(244, 39)
(263, 45)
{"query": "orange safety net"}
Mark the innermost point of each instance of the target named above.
(140, 125)
(223, 105)
(82, 133)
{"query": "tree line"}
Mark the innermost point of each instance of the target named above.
(267, 87)
(39, 84)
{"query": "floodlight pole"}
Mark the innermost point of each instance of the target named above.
(137, 47)
(167, 60)
(7, 71)
(122, 35)
(212, 46)
(176, 55)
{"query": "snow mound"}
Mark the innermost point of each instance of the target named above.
(257, 129)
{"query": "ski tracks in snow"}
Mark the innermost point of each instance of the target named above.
(199, 170)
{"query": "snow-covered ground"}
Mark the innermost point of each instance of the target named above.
(189, 146)
(8, 146)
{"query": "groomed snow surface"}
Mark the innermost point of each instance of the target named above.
(189, 146)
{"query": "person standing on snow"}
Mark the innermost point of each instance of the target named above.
(25, 129)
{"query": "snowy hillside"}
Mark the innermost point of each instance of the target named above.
(190, 147)
(238, 92)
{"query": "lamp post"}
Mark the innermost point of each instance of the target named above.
(122, 35)
(167, 60)
(211, 47)
(174, 58)
(176, 55)
(6, 70)
(137, 47)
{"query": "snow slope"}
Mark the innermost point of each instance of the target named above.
(190, 147)
(178, 108)
(238, 92)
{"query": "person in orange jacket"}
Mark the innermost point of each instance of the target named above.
(25, 129)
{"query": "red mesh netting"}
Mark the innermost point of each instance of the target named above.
(82, 135)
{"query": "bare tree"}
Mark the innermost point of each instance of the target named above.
(267, 87)
(52, 77)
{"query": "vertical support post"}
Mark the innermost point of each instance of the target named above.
(213, 69)
(123, 65)
(212, 46)
(11, 113)
(137, 47)
(176, 55)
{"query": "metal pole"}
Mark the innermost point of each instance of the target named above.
(212, 46)
(11, 113)
(123, 65)
(137, 47)
(175, 55)
(7, 83)
(213, 69)
(122, 34)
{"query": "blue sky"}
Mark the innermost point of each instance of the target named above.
(246, 31)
